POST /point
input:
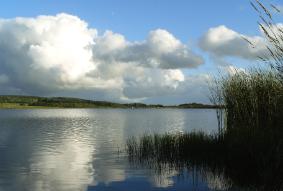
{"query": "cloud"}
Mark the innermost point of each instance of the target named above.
(49, 55)
(194, 88)
(45, 53)
(232, 70)
(4, 79)
(160, 50)
(153, 83)
(224, 42)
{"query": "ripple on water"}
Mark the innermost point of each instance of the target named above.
(69, 149)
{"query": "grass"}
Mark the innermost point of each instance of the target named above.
(172, 147)
(20, 106)
(252, 99)
(247, 150)
(249, 159)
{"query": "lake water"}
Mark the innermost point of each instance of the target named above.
(82, 149)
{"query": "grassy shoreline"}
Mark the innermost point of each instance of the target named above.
(248, 148)
(33, 102)
(19, 106)
(249, 159)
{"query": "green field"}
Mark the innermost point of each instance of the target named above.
(20, 106)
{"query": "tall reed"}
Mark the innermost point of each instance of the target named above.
(252, 99)
(273, 33)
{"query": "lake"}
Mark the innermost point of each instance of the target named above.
(83, 149)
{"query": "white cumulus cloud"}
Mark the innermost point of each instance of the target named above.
(223, 42)
(153, 83)
(160, 50)
(47, 55)
(47, 52)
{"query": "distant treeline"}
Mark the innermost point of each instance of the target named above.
(66, 102)
(198, 105)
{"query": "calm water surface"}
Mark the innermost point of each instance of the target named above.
(82, 149)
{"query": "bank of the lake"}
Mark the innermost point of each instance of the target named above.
(247, 149)
(34, 102)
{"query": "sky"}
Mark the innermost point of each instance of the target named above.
(151, 51)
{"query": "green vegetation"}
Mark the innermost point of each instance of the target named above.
(248, 149)
(26, 102)
(173, 148)
(198, 106)
(252, 99)
(247, 159)
(19, 106)
(53, 102)
(62, 102)
(19, 99)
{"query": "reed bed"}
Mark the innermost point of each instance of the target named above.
(247, 150)
(249, 159)
(252, 99)
(172, 147)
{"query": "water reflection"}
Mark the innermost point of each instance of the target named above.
(77, 149)
(248, 161)
(182, 180)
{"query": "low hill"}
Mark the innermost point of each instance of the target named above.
(14, 101)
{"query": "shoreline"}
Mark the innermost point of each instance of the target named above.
(33, 102)
(50, 107)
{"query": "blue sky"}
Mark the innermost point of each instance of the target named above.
(186, 19)
(153, 51)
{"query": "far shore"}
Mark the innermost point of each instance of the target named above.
(19, 106)
(34, 102)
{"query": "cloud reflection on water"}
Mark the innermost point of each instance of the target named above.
(69, 149)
